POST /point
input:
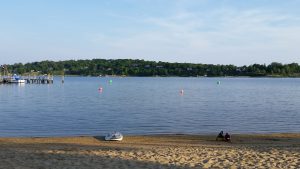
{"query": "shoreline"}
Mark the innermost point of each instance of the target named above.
(121, 76)
(276, 134)
(279, 150)
(117, 76)
(254, 134)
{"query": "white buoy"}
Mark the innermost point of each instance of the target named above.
(181, 92)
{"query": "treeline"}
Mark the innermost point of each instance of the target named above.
(129, 67)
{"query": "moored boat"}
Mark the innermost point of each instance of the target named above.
(15, 79)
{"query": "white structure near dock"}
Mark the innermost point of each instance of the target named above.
(29, 79)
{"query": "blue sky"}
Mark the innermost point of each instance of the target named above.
(195, 31)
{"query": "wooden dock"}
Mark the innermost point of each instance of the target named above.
(28, 80)
(39, 81)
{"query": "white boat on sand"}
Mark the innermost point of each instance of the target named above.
(114, 136)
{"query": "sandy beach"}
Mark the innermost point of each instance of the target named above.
(158, 151)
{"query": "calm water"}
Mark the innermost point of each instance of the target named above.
(138, 105)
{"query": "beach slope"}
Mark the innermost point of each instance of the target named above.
(158, 151)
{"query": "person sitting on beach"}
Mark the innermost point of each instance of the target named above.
(220, 136)
(227, 137)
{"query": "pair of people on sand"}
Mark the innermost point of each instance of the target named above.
(222, 137)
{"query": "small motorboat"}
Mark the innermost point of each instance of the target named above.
(114, 136)
(15, 79)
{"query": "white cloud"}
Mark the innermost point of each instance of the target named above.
(219, 36)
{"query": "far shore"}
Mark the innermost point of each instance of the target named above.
(119, 76)
(153, 151)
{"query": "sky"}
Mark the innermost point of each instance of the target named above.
(235, 32)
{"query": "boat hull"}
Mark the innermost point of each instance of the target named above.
(17, 81)
(114, 137)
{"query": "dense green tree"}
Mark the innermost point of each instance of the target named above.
(129, 67)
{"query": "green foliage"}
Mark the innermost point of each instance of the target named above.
(129, 67)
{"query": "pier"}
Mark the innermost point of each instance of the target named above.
(28, 79)
(39, 80)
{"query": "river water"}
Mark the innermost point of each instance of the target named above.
(146, 105)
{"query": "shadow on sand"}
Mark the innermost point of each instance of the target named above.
(71, 156)
(100, 138)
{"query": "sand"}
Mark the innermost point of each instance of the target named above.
(159, 151)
